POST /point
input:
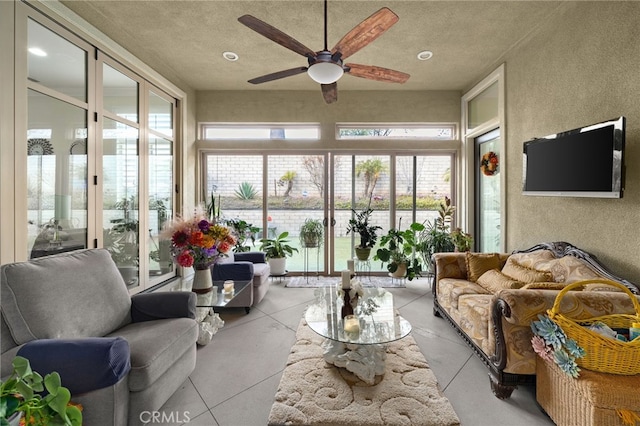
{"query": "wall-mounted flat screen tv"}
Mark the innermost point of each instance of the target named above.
(583, 162)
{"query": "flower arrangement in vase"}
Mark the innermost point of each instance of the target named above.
(199, 242)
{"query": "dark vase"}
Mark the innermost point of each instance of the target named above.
(347, 309)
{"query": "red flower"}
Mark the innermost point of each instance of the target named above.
(180, 238)
(185, 259)
(224, 247)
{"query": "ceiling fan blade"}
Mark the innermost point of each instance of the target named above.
(330, 92)
(274, 34)
(365, 32)
(278, 75)
(373, 72)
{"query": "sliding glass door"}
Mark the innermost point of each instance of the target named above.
(274, 194)
(278, 193)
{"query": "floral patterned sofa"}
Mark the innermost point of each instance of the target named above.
(491, 299)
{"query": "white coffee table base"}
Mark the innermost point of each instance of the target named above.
(365, 361)
(209, 323)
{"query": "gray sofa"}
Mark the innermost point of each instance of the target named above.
(244, 266)
(121, 356)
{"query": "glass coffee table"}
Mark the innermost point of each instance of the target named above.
(210, 322)
(361, 348)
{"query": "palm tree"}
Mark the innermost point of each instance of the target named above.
(288, 177)
(371, 169)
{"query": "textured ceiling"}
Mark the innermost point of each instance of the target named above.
(185, 39)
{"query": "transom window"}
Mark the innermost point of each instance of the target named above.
(420, 131)
(263, 131)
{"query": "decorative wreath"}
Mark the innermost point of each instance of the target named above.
(489, 163)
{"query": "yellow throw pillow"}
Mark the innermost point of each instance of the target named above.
(493, 280)
(479, 263)
(524, 274)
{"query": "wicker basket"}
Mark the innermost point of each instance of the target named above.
(603, 354)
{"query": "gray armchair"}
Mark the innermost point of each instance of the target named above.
(120, 356)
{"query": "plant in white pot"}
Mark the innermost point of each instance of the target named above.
(277, 250)
(398, 251)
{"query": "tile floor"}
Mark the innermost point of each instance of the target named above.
(237, 374)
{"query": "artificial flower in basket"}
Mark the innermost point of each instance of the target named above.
(552, 345)
(198, 241)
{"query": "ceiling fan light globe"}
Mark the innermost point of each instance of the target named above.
(325, 72)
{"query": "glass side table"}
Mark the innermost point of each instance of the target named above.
(209, 321)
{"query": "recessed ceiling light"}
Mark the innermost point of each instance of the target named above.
(424, 55)
(230, 56)
(37, 51)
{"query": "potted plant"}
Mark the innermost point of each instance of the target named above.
(436, 236)
(20, 396)
(121, 240)
(311, 233)
(161, 253)
(462, 241)
(398, 249)
(243, 231)
(359, 224)
(276, 250)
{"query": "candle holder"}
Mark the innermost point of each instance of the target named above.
(351, 326)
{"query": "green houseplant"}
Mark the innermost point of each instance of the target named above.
(311, 233)
(398, 249)
(462, 241)
(436, 236)
(244, 232)
(359, 224)
(19, 395)
(276, 250)
(121, 240)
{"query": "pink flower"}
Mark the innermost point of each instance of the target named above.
(541, 348)
(224, 247)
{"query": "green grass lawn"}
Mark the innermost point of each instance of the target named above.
(342, 253)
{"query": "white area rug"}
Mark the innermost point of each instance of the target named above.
(312, 392)
(313, 281)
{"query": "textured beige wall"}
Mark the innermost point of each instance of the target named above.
(581, 67)
(355, 106)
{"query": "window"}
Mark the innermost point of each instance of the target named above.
(266, 131)
(446, 131)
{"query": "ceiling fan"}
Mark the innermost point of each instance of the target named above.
(327, 66)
